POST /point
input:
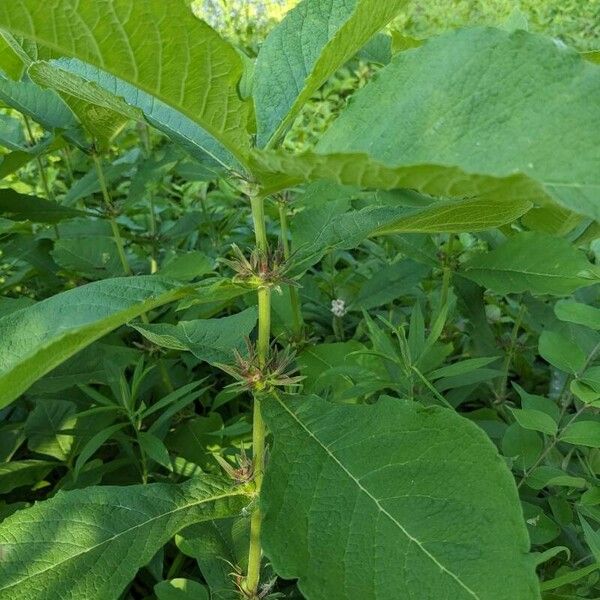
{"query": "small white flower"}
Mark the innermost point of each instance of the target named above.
(338, 307)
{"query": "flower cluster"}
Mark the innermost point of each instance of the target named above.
(261, 269)
(338, 307)
(277, 370)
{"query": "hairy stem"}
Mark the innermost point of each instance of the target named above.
(252, 581)
(113, 223)
(298, 322)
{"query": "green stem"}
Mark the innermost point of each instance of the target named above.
(447, 276)
(113, 223)
(38, 160)
(252, 580)
(510, 353)
(67, 157)
(294, 296)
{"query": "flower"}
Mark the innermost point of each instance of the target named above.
(338, 307)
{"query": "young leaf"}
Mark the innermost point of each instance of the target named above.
(305, 49)
(90, 543)
(349, 485)
(38, 338)
(159, 48)
(533, 262)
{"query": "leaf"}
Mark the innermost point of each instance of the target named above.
(348, 487)
(533, 262)
(38, 338)
(20, 473)
(47, 425)
(90, 543)
(488, 201)
(582, 433)
(331, 229)
(31, 208)
(161, 49)
(536, 420)
(43, 106)
(476, 100)
(216, 546)
(154, 448)
(96, 88)
(561, 352)
(92, 258)
(212, 340)
(180, 589)
(10, 63)
(592, 538)
(577, 312)
(314, 40)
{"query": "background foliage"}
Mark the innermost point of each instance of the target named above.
(429, 316)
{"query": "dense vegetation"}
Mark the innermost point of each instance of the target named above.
(299, 310)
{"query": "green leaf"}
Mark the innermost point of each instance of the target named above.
(180, 589)
(90, 543)
(22, 207)
(160, 49)
(47, 428)
(347, 486)
(592, 538)
(216, 546)
(10, 63)
(314, 40)
(582, 433)
(20, 473)
(536, 420)
(212, 340)
(480, 201)
(93, 257)
(44, 106)
(38, 338)
(475, 100)
(561, 352)
(576, 312)
(533, 262)
(154, 448)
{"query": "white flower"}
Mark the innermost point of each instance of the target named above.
(338, 307)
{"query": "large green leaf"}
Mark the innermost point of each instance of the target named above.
(534, 262)
(485, 101)
(310, 44)
(90, 543)
(159, 48)
(279, 170)
(96, 88)
(38, 338)
(383, 501)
